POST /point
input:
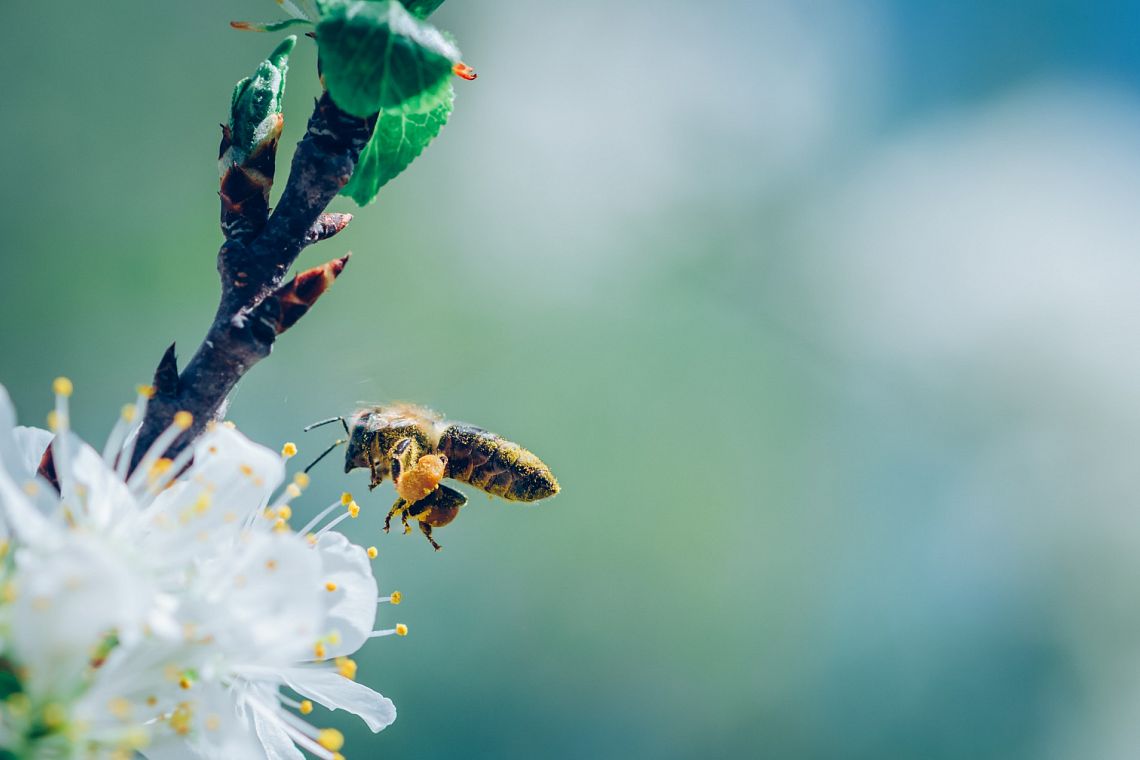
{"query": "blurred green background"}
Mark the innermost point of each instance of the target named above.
(823, 313)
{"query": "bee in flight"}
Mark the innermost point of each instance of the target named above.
(417, 448)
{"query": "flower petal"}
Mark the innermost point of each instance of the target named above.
(351, 609)
(277, 744)
(336, 692)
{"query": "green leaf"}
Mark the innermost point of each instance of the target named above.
(398, 139)
(376, 56)
(422, 8)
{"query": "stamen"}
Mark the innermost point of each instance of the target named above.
(182, 421)
(330, 587)
(145, 392)
(305, 707)
(320, 516)
(346, 667)
(60, 423)
(395, 598)
(346, 498)
(330, 738)
(399, 630)
(319, 650)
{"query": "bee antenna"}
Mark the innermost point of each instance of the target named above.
(325, 453)
(326, 422)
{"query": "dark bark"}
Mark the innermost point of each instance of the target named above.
(253, 263)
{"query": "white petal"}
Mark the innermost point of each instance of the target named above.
(32, 443)
(242, 473)
(277, 744)
(106, 498)
(351, 609)
(336, 692)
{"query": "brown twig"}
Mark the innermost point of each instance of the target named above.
(256, 304)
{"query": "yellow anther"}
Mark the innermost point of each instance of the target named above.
(319, 650)
(401, 629)
(151, 701)
(180, 719)
(55, 716)
(120, 707)
(246, 470)
(396, 597)
(333, 638)
(372, 552)
(346, 667)
(160, 466)
(53, 421)
(127, 413)
(202, 504)
(289, 450)
(292, 491)
(271, 565)
(346, 498)
(306, 707)
(183, 420)
(354, 510)
(61, 386)
(146, 391)
(185, 682)
(284, 511)
(330, 586)
(312, 539)
(337, 756)
(301, 479)
(280, 525)
(330, 738)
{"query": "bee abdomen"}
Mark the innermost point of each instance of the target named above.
(495, 465)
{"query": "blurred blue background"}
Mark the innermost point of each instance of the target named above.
(824, 313)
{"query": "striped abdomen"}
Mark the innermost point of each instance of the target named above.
(494, 464)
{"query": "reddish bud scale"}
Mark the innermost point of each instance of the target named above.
(463, 71)
(299, 294)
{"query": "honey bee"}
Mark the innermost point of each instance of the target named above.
(417, 448)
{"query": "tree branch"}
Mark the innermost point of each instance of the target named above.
(255, 306)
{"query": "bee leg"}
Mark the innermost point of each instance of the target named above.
(398, 507)
(404, 519)
(377, 478)
(426, 530)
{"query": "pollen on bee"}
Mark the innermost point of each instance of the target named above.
(61, 386)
